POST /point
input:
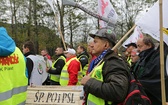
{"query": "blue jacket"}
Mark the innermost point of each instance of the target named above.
(7, 44)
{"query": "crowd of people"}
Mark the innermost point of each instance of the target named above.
(104, 73)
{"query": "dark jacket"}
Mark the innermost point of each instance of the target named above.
(83, 58)
(58, 65)
(148, 73)
(115, 75)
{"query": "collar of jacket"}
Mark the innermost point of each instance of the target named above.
(28, 53)
(83, 53)
(110, 53)
(145, 56)
(146, 52)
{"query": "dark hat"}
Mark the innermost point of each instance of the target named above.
(131, 44)
(105, 33)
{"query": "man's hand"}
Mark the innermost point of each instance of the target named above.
(47, 69)
(85, 79)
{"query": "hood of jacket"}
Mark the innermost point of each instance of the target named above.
(7, 44)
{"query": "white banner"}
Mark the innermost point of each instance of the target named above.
(51, 2)
(134, 37)
(150, 24)
(106, 10)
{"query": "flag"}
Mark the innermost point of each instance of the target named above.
(150, 24)
(105, 9)
(51, 2)
(134, 37)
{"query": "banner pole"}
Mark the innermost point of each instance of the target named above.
(125, 36)
(59, 29)
(162, 55)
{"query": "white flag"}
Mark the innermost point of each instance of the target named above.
(134, 37)
(51, 2)
(106, 10)
(150, 24)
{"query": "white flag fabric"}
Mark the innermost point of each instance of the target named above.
(150, 24)
(106, 10)
(51, 2)
(134, 37)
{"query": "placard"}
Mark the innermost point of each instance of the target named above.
(55, 95)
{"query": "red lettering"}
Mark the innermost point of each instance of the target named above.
(104, 5)
(13, 59)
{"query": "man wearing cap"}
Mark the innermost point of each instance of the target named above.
(128, 51)
(108, 81)
(71, 73)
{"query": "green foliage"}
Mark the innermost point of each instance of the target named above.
(34, 20)
(47, 38)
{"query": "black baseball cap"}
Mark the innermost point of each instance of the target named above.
(105, 33)
(131, 44)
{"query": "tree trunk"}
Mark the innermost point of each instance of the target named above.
(36, 26)
(29, 20)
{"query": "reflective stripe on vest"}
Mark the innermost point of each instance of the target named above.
(129, 60)
(97, 74)
(13, 80)
(64, 79)
(85, 68)
(54, 77)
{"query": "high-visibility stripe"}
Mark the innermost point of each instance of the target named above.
(7, 95)
(64, 71)
(23, 103)
(64, 78)
(90, 103)
(56, 77)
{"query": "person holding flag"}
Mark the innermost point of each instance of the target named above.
(147, 69)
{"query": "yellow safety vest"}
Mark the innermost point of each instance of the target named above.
(85, 68)
(93, 100)
(55, 77)
(64, 78)
(13, 80)
(129, 60)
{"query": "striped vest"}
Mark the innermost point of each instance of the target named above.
(13, 80)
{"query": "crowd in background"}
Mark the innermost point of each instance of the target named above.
(103, 72)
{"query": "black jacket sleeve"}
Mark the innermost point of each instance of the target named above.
(58, 65)
(29, 65)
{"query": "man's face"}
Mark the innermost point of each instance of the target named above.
(67, 54)
(58, 51)
(134, 57)
(43, 53)
(141, 45)
(90, 46)
(99, 46)
(129, 50)
(25, 50)
(79, 50)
